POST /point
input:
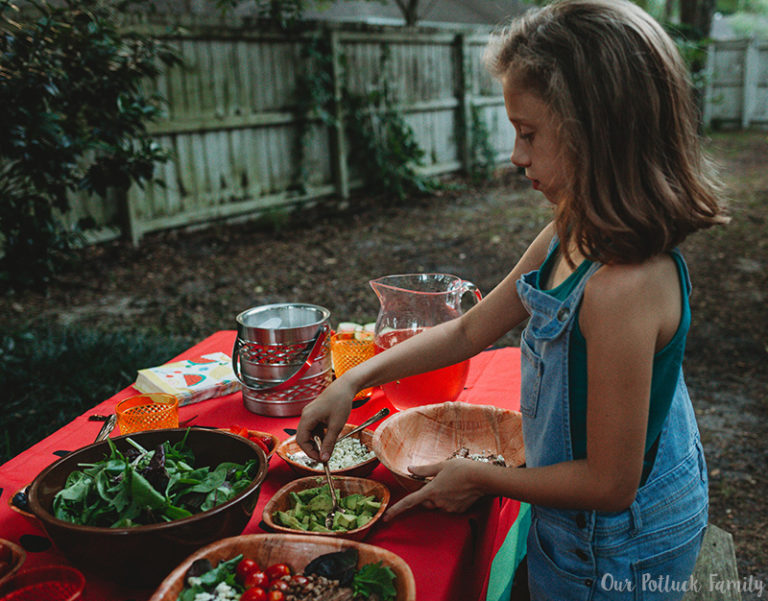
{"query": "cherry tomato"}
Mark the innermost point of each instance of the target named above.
(254, 594)
(299, 579)
(276, 596)
(279, 585)
(245, 567)
(256, 578)
(277, 570)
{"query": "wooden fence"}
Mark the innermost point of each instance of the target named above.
(737, 84)
(232, 125)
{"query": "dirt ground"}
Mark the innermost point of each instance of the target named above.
(194, 283)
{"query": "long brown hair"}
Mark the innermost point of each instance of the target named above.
(638, 178)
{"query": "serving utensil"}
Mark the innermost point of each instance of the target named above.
(373, 419)
(335, 508)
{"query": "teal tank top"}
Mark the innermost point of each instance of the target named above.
(666, 363)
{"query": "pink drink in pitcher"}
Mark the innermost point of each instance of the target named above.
(438, 386)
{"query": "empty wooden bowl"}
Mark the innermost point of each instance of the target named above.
(344, 486)
(12, 556)
(432, 433)
(289, 446)
(293, 549)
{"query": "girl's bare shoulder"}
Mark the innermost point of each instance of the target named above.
(652, 281)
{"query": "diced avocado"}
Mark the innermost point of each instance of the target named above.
(320, 503)
(363, 519)
(307, 494)
(288, 520)
(370, 505)
(315, 527)
(344, 521)
(351, 502)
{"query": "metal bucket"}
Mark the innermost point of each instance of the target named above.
(282, 357)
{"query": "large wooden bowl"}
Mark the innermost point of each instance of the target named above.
(143, 555)
(432, 433)
(289, 446)
(345, 485)
(295, 550)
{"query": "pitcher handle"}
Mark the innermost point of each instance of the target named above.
(470, 287)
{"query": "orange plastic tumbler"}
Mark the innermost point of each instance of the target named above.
(349, 349)
(147, 412)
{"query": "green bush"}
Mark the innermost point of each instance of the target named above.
(48, 377)
(74, 119)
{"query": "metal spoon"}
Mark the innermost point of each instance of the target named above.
(335, 508)
(374, 418)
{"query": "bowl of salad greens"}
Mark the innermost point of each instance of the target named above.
(132, 507)
(279, 566)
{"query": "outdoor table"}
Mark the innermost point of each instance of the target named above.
(454, 557)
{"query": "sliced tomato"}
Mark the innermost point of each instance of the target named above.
(254, 594)
(245, 567)
(259, 442)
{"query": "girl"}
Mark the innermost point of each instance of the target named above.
(606, 129)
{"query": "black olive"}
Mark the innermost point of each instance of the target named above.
(21, 500)
(340, 565)
(198, 568)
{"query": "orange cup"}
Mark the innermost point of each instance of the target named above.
(349, 349)
(147, 412)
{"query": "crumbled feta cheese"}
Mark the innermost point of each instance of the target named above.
(346, 453)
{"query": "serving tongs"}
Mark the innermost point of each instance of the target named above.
(335, 507)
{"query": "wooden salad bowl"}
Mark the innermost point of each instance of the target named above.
(344, 485)
(289, 446)
(143, 555)
(295, 550)
(432, 433)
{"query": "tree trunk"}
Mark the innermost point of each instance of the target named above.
(410, 10)
(697, 14)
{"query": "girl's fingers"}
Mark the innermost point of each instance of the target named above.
(405, 504)
(425, 470)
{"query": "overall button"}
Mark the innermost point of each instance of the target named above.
(563, 313)
(588, 582)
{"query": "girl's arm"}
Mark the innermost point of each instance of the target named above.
(436, 347)
(628, 313)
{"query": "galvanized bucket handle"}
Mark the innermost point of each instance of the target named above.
(315, 346)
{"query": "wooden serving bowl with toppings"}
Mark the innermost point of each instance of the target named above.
(432, 433)
(293, 549)
(289, 447)
(344, 486)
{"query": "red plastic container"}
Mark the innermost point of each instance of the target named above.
(46, 583)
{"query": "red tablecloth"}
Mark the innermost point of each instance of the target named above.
(450, 555)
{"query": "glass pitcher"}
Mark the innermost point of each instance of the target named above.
(409, 304)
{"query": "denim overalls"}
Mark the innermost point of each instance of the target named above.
(647, 551)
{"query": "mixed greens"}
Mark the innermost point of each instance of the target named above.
(310, 506)
(140, 486)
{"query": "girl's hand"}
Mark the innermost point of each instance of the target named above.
(452, 489)
(328, 411)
